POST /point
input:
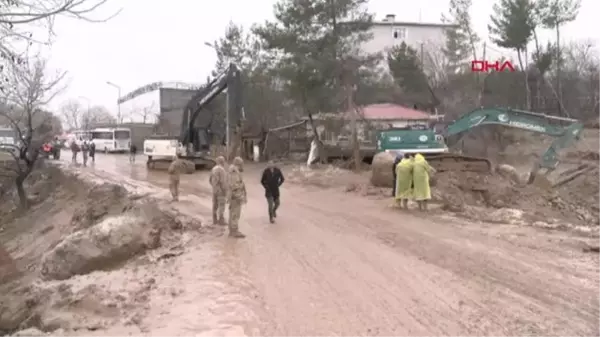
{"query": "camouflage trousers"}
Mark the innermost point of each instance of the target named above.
(218, 209)
(174, 186)
(235, 211)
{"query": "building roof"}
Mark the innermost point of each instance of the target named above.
(388, 111)
(413, 24)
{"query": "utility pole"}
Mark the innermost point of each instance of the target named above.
(119, 119)
(353, 115)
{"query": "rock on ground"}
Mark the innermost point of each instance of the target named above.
(99, 247)
(381, 170)
(101, 200)
(510, 172)
(29, 332)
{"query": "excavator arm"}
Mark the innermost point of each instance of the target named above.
(565, 130)
(229, 79)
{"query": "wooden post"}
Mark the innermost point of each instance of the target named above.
(353, 125)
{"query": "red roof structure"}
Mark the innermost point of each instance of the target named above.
(388, 111)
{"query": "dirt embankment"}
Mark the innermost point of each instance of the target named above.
(77, 232)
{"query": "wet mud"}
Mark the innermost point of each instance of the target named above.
(337, 263)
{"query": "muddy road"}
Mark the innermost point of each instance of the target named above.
(340, 264)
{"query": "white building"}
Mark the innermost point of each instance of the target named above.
(389, 33)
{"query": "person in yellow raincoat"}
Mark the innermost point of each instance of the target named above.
(404, 180)
(420, 173)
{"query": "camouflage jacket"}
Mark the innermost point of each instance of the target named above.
(218, 180)
(176, 167)
(237, 188)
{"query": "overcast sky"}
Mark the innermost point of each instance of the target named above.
(159, 40)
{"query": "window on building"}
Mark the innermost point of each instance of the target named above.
(400, 33)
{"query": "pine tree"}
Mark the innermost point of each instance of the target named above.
(314, 41)
(317, 44)
(407, 71)
(554, 14)
(461, 40)
(260, 96)
(512, 26)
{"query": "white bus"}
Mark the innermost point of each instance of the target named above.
(80, 135)
(112, 139)
(8, 139)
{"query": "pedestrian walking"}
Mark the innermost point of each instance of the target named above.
(174, 176)
(403, 185)
(272, 179)
(218, 181)
(74, 150)
(132, 153)
(421, 172)
(84, 152)
(92, 151)
(237, 196)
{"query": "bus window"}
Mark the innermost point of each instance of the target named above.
(122, 134)
(102, 135)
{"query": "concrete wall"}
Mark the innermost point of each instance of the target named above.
(172, 104)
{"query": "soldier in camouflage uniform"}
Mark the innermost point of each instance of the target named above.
(174, 173)
(237, 196)
(218, 181)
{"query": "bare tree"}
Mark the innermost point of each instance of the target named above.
(77, 117)
(97, 115)
(29, 92)
(71, 113)
(146, 113)
(17, 17)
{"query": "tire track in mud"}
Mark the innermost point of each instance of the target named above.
(523, 293)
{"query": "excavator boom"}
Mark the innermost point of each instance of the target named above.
(197, 137)
(199, 131)
(565, 131)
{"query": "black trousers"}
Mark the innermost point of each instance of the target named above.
(273, 204)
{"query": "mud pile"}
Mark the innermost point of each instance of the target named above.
(458, 189)
(580, 196)
(331, 176)
(576, 201)
(76, 232)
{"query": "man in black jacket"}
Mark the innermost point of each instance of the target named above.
(271, 179)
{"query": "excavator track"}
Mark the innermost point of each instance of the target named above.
(455, 162)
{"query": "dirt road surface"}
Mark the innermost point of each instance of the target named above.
(339, 264)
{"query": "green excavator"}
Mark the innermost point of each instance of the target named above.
(434, 145)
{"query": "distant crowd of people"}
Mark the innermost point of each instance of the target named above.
(87, 149)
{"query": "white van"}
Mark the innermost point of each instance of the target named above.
(112, 139)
